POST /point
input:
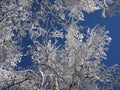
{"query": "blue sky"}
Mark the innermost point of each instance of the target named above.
(113, 25)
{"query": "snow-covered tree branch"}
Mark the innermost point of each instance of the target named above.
(64, 55)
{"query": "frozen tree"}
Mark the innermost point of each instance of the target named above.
(64, 55)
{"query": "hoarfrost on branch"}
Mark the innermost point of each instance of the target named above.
(64, 55)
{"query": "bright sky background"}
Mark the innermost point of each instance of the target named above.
(113, 25)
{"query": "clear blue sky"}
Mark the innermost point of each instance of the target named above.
(113, 25)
